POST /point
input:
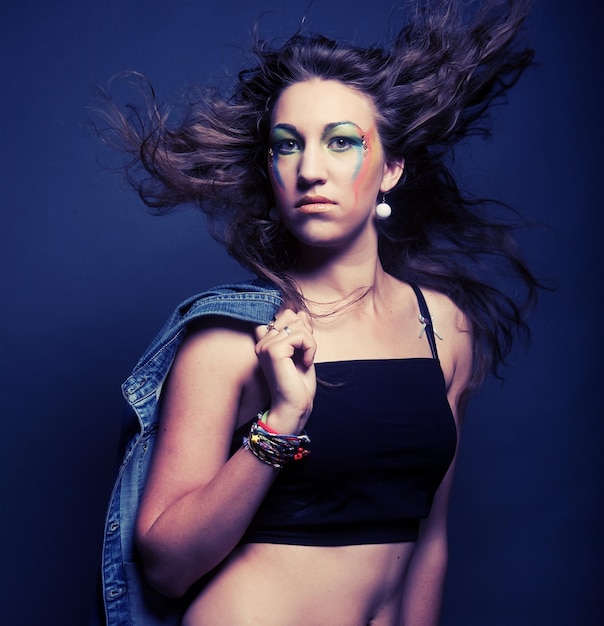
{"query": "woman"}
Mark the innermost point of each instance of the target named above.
(307, 424)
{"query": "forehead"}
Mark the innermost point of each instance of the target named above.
(317, 102)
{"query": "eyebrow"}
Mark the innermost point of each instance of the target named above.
(288, 127)
(328, 127)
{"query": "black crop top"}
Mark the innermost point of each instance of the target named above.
(382, 438)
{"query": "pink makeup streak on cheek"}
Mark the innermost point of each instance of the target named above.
(369, 161)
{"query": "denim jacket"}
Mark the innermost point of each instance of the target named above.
(127, 599)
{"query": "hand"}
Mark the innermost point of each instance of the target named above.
(286, 351)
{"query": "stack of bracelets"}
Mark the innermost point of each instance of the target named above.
(273, 448)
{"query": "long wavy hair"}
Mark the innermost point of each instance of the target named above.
(432, 87)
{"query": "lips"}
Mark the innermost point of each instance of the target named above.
(314, 203)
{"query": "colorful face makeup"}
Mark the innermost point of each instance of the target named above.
(369, 162)
(340, 140)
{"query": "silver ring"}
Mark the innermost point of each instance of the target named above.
(271, 326)
(287, 330)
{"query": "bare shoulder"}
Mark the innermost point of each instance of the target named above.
(230, 339)
(445, 314)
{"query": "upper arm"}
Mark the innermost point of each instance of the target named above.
(455, 354)
(199, 410)
(455, 348)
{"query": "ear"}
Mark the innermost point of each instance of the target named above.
(393, 170)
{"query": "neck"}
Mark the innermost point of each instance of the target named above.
(327, 276)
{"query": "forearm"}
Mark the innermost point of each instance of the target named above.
(425, 583)
(200, 529)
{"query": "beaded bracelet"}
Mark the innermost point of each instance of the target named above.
(273, 448)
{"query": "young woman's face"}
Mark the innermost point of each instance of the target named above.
(326, 162)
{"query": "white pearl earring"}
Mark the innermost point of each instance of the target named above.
(383, 210)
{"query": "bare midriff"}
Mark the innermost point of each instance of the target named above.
(278, 585)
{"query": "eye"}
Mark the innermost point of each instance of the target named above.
(341, 144)
(286, 146)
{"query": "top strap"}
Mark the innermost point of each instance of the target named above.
(426, 319)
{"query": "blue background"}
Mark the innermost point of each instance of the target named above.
(87, 278)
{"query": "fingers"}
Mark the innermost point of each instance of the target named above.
(292, 332)
(277, 324)
(286, 349)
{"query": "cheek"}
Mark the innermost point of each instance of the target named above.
(364, 175)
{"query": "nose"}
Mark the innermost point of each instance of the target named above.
(311, 167)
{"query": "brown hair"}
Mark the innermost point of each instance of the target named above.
(431, 88)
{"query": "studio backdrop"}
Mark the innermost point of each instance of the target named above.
(88, 277)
